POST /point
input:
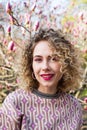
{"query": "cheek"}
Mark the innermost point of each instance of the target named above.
(35, 68)
(58, 72)
(58, 67)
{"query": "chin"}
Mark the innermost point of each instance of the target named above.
(47, 86)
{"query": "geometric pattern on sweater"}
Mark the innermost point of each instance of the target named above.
(23, 110)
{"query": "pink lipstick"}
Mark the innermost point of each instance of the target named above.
(47, 76)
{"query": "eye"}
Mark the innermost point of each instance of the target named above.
(37, 59)
(54, 58)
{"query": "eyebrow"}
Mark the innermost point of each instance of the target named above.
(48, 56)
(37, 56)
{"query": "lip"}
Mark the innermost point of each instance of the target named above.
(47, 76)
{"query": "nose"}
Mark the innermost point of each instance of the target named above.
(45, 65)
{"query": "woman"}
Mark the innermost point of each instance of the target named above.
(51, 67)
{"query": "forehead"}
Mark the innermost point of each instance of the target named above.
(44, 47)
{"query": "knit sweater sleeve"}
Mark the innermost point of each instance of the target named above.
(10, 115)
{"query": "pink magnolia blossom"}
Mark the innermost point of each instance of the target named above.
(8, 8)
(33, 7)
(66, 25)
(40, 12)
(81, 14)
(85, 51)
(75, 32)
(46, 1)
(45, 17)
(48, 25)
(23, 30)
(85, 107)
(9, 29)
(37, 24)
(85, 99)
(85, 33)
(27, 19)
(11, 46)
(17, 81)
(5, 42)
(73, 42)
(26, 4)
(85, 20)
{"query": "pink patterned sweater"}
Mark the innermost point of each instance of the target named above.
(23, 110)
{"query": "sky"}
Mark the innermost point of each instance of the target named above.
(54, 2)
(62, 3)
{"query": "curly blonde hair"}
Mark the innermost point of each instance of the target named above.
(69, 56)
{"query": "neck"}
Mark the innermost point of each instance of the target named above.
(47, 90)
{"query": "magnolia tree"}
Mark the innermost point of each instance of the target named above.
(22, 20)
(74, 24)
(25, 18)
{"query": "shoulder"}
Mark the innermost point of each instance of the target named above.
(74, 101)
(71, 100)
(75, 109)
(10, 111)
(72, 107)
(16, 97)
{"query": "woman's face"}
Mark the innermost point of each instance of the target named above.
(46, 66)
